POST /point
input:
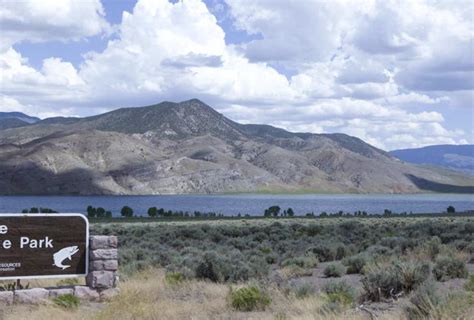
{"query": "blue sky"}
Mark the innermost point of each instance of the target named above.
(394, 73)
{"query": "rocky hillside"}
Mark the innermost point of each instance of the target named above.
(188, 147)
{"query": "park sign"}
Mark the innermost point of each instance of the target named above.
(43, 245)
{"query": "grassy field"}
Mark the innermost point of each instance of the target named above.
(383, 268)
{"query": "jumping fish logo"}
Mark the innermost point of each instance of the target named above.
(63, 254)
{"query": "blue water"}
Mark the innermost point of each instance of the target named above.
(246, 203)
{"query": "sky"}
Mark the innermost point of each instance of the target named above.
(397, 74)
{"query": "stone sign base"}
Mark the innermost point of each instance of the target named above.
(101, 281)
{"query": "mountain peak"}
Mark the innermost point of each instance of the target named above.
(168, 119)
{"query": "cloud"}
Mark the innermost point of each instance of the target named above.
(297, 33)
(192, 60)
(56, 80)
(369, 68)
(47, 20)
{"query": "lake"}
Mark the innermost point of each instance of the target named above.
(252, 204)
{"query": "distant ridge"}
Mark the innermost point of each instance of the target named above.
(9, 123)
(455, 157)
(18, 115)
(188, 147)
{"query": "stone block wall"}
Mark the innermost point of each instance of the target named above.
(101, 280)
(103, 263)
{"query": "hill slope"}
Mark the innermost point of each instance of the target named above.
(188, 147)
(18, 115)
(9, 123)
(455, 157)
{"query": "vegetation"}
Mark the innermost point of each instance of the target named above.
(339, 292)
(174, 278)
(67, 301)
(469, 286)
(38, 210)
(333, 270)
(12, 286)
(282, 268)
(238, 251)
(446, 268)
(275, 211)
(126, 212)
(250, 298)
(355, 263)
(98, 212)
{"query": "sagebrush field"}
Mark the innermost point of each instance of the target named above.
(338, 268)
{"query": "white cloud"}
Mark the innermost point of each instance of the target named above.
(57, 80)
(413, 97)
(298, 32)
(345, 79)
(46, 20)
(152, 56)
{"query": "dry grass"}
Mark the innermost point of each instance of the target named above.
(148, 296)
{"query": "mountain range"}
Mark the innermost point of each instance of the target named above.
(455, 157)
(188, 147)
(15, 120)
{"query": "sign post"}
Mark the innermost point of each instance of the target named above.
(43, 246)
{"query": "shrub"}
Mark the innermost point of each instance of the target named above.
(469, 286)
(250, 298)
(387, 281)
(302, 262)
(333, 270)
(423, 302)
(355, 264)
(174, 278)
(323, 252)
(376, 251)
(205, 270)
(446, 268)
(67, 301)
(339, 292)
(433, 247)
(304, 290)
(381, 282)
(293, 271)
(412, 274)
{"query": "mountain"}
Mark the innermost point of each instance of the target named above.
(188, 147)
(9, 123)
(18, 115)
(455, 157)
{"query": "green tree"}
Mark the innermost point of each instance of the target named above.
(152, 212)
(290, 212)
(91, 212)
(108, 214)
(100, 212)
(126, 212)
(451, 209)
(272, 211)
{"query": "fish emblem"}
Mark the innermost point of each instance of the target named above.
(63, 254)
